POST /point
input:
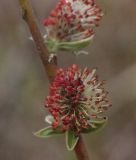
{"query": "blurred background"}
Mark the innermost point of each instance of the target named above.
(24, 85)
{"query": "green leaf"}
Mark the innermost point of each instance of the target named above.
(71, 140)
(47, 132)
(76, 45)
(95, 125)
(54, 45)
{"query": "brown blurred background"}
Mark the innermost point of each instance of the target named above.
(24, 85)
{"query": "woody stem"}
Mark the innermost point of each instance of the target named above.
(50, 67)
(28, 16)
(80, 150)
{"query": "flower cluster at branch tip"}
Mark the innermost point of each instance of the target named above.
(73, 20)
(76, 99)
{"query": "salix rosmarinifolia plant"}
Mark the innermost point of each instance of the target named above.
(77, 101)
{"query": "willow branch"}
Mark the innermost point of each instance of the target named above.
(30, 19)
(51, 67)
(80, 150)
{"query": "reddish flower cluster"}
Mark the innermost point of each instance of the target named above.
(75, 98)
(73, 20)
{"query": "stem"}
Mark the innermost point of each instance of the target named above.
(28, 16)
(80, 150)
(50, 67)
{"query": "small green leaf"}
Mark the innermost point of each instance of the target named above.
(47, 132)
(54, 45)
(95, 125)
(76, 45)
(71, 140)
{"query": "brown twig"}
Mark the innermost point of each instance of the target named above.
(30, 19)
(80, 150)
(50, 68)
